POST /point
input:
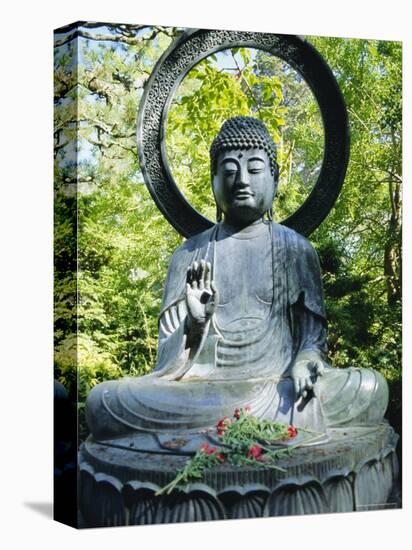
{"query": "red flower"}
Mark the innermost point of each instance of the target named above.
(221, 457)
(207, 449)
(255, 452)
(222, 425)
(239, 411)
(292, 431)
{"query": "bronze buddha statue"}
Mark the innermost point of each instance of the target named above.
(242, 321)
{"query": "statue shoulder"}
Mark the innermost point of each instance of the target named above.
(294, 241)
(191, 245)
(304, 276)
(181, 259)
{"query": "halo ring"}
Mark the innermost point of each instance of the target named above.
(186, 52)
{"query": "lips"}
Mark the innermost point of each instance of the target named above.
(243, 194)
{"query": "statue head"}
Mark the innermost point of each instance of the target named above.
(244, 169)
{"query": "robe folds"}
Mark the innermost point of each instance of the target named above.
(270, 314)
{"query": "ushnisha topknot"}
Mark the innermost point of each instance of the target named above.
(244, 132)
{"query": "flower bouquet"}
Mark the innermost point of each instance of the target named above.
(241, 440)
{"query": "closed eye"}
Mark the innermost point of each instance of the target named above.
(256, 165)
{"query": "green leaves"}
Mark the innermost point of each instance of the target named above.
(221, 86)
(245, 440)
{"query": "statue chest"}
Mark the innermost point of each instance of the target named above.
(243, 273)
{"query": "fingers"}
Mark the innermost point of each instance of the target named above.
(198, 275)
(201, 274)
(192, 275)
(204, 275)
(299, 388)
(320, 369)
(308, 383)
(296, 384)
(306, 387)
(195, 270)
(305, 374)
(302, 385)
(189, 276)
(208, 270)
(213, 299)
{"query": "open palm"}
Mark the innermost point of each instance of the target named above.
(201, 293)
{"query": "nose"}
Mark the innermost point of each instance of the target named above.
(243, 176)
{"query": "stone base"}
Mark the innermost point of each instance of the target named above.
(356, 469)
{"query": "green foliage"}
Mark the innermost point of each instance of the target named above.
(112, 245)
(250, 83)
(108, 280)
(80, 364)
(360, 242)
(80, 361)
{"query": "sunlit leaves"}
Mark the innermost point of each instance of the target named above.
(238, 82)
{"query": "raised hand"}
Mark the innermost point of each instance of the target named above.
(201, 295)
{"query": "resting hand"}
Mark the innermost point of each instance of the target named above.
(305, 372)
(201, 295)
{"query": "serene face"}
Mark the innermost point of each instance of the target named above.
(243, 185)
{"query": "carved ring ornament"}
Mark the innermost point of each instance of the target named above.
(187, 51)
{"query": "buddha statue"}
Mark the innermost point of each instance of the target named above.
(242, 322)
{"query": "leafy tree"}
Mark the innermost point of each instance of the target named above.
(360, 242)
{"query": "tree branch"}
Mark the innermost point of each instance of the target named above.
(129, 38)
(246, 82)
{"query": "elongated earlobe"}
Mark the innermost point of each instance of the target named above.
(219, 214)
(269, 214)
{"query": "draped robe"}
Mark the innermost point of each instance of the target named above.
(270, 314)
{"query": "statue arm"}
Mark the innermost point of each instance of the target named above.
(310, 330)
(308, 321)
(172, 352)
(311, 349)
(184, 324)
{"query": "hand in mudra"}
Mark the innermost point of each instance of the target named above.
(305, 373)
(201, 294)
